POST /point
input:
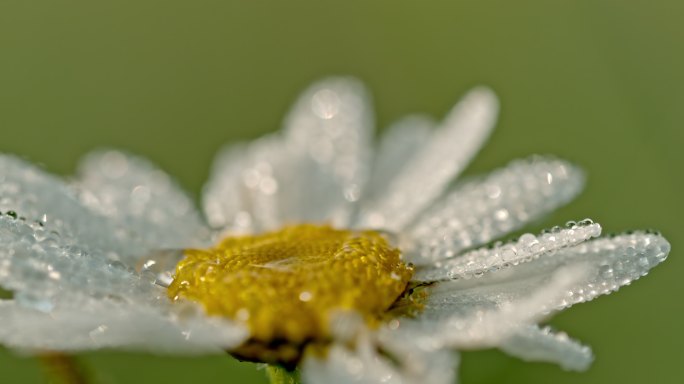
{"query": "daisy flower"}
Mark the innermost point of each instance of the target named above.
(315, 252)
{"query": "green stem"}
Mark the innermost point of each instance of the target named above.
(64, 368)
(279, 375)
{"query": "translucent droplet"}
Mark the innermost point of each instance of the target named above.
(508, 253)
(501, 214)
(39, 235)
(305, 296)
(159, 266)
(606, 271)
(527, 239)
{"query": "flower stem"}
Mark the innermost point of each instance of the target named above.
(64, 368)
(279, 375)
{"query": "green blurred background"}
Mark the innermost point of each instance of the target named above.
(597, 82)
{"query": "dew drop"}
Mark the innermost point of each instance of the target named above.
(606, 271)
(159, 266)
(305, 296)
(508, 253)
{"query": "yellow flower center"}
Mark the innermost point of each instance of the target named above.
(286, 285)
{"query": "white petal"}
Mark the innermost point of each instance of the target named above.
(342, 365)
(223, 196)
(399, 145)
(483, 316)
(484, 209)
(542, 344)
(86, 324)
(67, 298)
(445, 155)
(526, 249)
(28, 189)
(612, 262)
(424, 366)
(244, 193)
(364, 365)
(40, 266)
(43, 199)
(141, 198)
(328, 133)
(615, 261)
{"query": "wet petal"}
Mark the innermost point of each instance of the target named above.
(39, 266)
(223, 199)
(244, 194)
(39, 198)
(365, 365)
(138, 196)
(66, 297)
(483, 316)
(88, 324)
(487, 208)
(399, 145)
(441, 159)
(533, 343)
(328, 134)
(611, 262)
(526, 249)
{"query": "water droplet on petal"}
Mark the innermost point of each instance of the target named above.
(159, 266)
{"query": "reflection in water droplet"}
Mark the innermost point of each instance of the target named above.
(606, 271)
(98, 331)
(305, 296)
(159, 266)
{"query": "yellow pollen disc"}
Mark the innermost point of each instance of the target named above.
(285, 285)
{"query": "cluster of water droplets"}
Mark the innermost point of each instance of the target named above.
(481, 210)
(68, 255)
(40, 265)
(65, 296)
(615, 261)
(500, 255)
(57, 251)
(597, 267)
